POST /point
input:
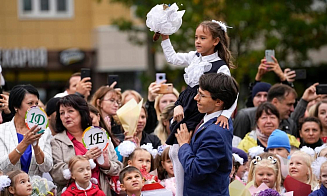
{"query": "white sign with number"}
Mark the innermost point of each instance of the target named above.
(36, 116)
(96, 137)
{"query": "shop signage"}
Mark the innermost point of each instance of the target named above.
(24, 57)
(71, 56)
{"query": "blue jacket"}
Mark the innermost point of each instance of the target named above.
(320, 192)
(207, 160)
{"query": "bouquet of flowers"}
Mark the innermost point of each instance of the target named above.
(164, 19)
(40, 186)
(148, 178)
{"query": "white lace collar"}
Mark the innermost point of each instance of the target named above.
(80, 188)
(211, 57)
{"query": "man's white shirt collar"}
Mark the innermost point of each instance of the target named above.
(207, 117)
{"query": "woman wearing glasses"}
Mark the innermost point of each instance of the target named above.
(107, 100)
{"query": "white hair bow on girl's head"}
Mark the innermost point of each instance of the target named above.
(316, 165)
(4, 182)
(150, 149)
(308, 150)
(238, 158)
(222, 25)
(255, 151)
(126, 148)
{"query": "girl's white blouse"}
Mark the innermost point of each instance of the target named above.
(195, 66)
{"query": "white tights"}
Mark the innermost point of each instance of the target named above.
(178, 169)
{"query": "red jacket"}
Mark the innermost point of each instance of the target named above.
(72, 190)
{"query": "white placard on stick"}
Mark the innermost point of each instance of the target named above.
(96, 137)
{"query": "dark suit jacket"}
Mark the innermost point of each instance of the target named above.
(207, 160)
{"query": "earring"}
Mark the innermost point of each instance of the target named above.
(16, 109)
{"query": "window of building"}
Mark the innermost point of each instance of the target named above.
(45, 9)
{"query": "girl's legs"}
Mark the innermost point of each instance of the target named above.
(178, 169)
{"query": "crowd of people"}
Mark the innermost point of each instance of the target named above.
(196, 141)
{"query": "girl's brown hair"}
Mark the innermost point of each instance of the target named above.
(102, 124)
(74, 160)
(223, 46)
(12, 176)
(132, 156)
(162, 173)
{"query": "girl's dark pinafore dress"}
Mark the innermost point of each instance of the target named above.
(192, 116)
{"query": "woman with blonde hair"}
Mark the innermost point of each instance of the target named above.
(107, 100)
(130, 94)
(162, 130)
(155, 105)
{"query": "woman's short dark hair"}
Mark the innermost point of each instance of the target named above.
(17, 95)
(268, 108)
(220, 86)
(79, 104)
(310, 119)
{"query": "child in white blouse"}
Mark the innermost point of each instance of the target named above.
(211, 56)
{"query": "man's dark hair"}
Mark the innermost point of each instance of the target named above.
(268, 108)
(127, 170)
(280, 91)
(79, 104)
(17, 95)
(220, 86)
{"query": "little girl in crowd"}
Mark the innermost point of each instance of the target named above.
(322, 179)
(140, 158)
(15, 183)
(211, 56)
(80, 172)
(300, 168)
(163, 163)
(265, 169)
(237, 162)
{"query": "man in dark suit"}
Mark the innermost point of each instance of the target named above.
(207, 155)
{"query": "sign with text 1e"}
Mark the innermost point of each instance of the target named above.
(36, 116)
(94, 136)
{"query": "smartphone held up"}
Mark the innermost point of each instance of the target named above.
(164, 88)
(269, 54)
(113, 78)
(85, 72)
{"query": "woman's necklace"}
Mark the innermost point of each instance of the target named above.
(20, 128)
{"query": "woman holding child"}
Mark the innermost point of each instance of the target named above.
(73, 117)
